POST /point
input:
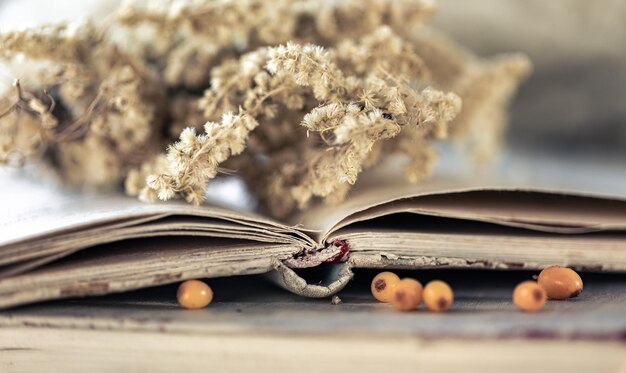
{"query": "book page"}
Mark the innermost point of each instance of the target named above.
(416, 241)
(38, 212)
(129, 265)
(551, 198)
(55, 247)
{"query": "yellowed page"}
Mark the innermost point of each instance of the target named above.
(548, 201)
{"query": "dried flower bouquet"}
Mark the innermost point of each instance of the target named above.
(299, 97)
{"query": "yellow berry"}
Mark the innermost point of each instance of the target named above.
(560, 282)
(407, 294)
(383, 285)
(529, 296)
(438, 296)
(194, 294)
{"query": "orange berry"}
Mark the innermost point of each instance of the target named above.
(407, 294)
(529, 296)
(438, 296)
(560, 282)
(383, 285)
(194, 294)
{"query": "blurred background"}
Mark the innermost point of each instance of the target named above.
(574, 102)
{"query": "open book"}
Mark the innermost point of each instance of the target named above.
(56, 243)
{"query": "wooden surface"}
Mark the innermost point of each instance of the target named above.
(252, 324)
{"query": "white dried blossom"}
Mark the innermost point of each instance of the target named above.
(194, 159)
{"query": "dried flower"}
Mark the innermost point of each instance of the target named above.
(193, 160)
(322, 91)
